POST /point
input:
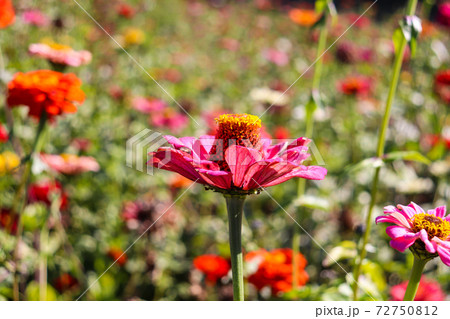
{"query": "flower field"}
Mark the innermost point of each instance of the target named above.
(220, 150)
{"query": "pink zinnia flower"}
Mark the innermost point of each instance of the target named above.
(70, 164)
(60, 54)
(35, 17)
(236, 159)
(429, 290)
(277, 57)
(426, 234)
(148, 105)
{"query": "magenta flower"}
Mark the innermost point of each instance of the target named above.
(36, 18)
(236, 159)
(426, 234)
(169, 119)
(60, 54)
(70, 164)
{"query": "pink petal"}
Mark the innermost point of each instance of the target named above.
(219, 179)
(260, 174)
(404, 242)
(397, 231)
(444, 254)
(239, 159)
(175, 161)
(417, 208)
(429, 246)
(301, 141)
(440, 211)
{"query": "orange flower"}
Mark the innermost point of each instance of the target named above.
(118, 255)
(304, 17)
(45, 91)
(275, 269)
(7, 15)
(214, 267)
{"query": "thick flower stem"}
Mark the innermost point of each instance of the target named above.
(235, 207)
(411, 9)
(20, 198)
(309, 122)
(414, 280)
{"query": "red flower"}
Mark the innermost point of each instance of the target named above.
(442, 85)
(118, 256)
(7, 14)
(275, 269)
(214, 267)
(125, 10)
(8, 220)
(3, 134)
(65, 282)
(429, 290)
(355, 85)
(44, 191)
(45, 91)
(281, 133)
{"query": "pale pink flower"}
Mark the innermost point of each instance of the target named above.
(275, 56)
(60, 54)
(148, 105)
(170, 119)
(426, 233)
(70, 164)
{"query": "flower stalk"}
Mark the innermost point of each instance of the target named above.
(309, 122)
(235, 208)
(411, 9)
(414, 280)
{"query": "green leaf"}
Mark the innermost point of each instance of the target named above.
(407, 156)
(32, 292)
(368, 163)
(321, 22)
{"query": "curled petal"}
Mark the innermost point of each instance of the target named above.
(444, 254)
(429, 246)
(440, 211)
(397, 231)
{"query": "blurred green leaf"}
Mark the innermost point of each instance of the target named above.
(411, 27)
(344, 250)
(368, 163)
(321, 5)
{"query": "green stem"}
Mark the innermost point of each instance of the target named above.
(20, 198)
(43, 241)
(235, 207)
(411, 8)
(414, 280)
(309, 119)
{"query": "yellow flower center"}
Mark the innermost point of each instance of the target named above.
(60, 47)
(434, 226)
(68, 157)
(235, 129)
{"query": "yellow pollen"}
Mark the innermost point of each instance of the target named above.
(235, 129)
(434, 226)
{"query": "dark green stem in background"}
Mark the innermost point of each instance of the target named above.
(414, 280)
(411, 9)
(235, 208)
